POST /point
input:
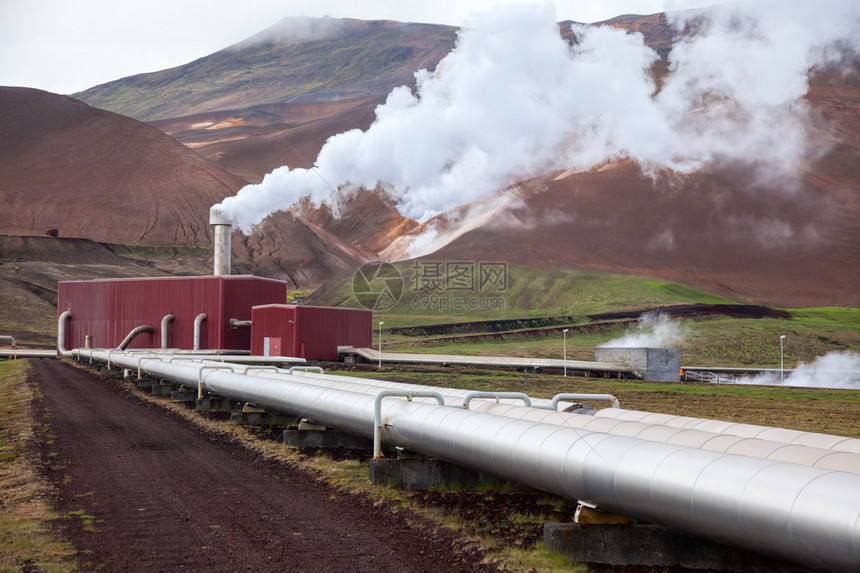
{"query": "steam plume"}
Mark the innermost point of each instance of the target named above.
(833, 370)
(513, 100)
(654, 330)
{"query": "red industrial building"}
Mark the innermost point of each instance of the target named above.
(106, 310)
(308, 331)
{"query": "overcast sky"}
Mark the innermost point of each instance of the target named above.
(66, 46)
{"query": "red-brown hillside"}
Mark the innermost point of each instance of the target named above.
(95, 174)
(253, 141)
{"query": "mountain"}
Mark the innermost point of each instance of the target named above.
(298, 59)
(72, 170)
(275, 99)
(95, 174)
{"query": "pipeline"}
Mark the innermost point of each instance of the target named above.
(504, 405)
(792, 512)
(794, 437)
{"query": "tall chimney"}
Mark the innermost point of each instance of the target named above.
(223, 230)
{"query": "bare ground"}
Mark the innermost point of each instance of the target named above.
(143, 490)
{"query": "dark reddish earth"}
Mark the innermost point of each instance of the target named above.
(143, 490)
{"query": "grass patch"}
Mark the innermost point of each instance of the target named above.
(528, 292)
(687, 293)
(707, 341)
(828, 317)
(25, 516)
(541, 559)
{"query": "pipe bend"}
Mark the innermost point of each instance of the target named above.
(165, 322)
(61, 334)
(198, 321)
(133, 334)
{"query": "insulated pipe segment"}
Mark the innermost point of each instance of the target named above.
(760, 448)
(61, 334)
(453, 396)
(222, 227)
(165, 332)
(794, 437)
(198, 322)
(133, 334)
(805, 515)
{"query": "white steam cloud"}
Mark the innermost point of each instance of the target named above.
(833, 370)
(654, 330)
(514, 100)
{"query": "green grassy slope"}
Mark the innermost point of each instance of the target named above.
(526, 317)
(526, 292)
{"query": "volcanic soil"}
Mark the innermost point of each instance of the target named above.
(143, 490)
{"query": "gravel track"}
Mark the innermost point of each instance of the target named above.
(145, 490)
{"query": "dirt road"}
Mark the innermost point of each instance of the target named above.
(144, 490)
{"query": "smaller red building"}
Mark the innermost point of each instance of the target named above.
(312, 332)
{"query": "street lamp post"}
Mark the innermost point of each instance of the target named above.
(380, 343)
(564, 343)
(781, 362)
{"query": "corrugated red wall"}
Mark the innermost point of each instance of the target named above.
(108, 309)
(316, 331)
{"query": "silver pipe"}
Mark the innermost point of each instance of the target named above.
(201, 380)
(453, 396)
(165, 323)
(796, 513)
(61, 334)
(7, 337)
(794, 437)
(307, 369)
(467, 399)
(238, 358)
(222, 231)
(573, 396)
(198, 321)
(373, 355)
(131, 336)
(759, 448)
(378, 424)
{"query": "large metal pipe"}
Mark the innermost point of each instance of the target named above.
(222, 236)
(61, 333)
(198, 322)
(133, 334)
(805, 515)
(754, 447)
(544, 412)
(794, 437)
(165, 332)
